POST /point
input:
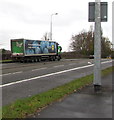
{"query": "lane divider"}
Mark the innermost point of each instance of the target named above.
(51, 74)
(58, 66)
(39, 69)
(17, 72)
(6, 74)
(12, 73)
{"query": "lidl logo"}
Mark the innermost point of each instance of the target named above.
(19, 44)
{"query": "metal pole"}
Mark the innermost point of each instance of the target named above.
(51, 28)
(97, 48)
(51, 25)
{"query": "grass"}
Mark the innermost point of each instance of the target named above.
(25, 107)
(5, 61)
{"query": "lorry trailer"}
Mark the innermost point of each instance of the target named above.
(25, 50)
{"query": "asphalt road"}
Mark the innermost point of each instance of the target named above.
(20, 80)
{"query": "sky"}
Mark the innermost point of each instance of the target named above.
(30, 19)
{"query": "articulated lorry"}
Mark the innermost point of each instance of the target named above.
(24, 50)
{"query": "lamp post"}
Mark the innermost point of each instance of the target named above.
(51, 25)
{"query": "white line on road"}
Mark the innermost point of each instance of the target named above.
(58, 66)
(17, 72)
(51, 74)
(39, 69)
(12, 73)
(6, 74)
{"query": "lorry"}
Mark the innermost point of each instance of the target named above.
(25, 50)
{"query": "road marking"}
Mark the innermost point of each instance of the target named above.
(39, 69)
(6, 74)
(17, 72)
(58, 66)
(51, 74)
(12, 73)
(106, 62)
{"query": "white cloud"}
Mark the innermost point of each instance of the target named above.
(31, 19)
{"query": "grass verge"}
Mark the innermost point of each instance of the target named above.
(5, 61)
(24, 107)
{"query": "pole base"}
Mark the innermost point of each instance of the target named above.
(97, 88)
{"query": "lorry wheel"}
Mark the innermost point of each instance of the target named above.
(50, 59)
(32, 60)
(39, 59)
(58, 58)
(21, 61)
(36, 60)
(54, 58)
(25, 61)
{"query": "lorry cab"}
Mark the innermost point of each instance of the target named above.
(59, 52)
(59, 49)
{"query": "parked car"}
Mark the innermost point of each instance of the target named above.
(91, 57)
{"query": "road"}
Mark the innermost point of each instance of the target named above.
(20, 80)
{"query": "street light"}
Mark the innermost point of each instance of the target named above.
(51, 25)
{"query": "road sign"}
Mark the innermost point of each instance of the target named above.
(104, 13)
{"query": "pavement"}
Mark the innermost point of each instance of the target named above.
(84, 103)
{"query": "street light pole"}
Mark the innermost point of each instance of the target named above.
(97, 47)
(51, 25)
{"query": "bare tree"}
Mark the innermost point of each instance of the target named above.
(45, 36)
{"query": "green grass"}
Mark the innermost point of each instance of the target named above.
(3, 61)
(107, 71)
(24, 107)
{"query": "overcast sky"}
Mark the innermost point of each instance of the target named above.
(30, 19)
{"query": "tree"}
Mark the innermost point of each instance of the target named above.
(105, 47)
(3, 51)
(45, 36)
(83, 43)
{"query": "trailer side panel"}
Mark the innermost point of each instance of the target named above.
(36, 47)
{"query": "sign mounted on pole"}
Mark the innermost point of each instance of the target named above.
(104, 13)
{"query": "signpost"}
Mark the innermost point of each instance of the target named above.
(97, 14)
(97, 47)
(104, 14)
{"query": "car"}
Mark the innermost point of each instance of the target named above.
(91, 57)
